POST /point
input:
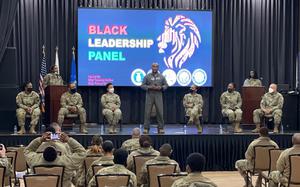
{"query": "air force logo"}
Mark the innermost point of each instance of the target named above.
(178, 41)
(137, 76)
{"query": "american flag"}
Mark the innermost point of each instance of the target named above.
(42, 75)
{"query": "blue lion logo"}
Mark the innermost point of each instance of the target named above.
(183, 37)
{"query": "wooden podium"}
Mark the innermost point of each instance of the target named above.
(251, 97)
(52, 102)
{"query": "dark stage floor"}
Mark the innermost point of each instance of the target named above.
(170, 129)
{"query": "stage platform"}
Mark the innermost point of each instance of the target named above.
(218, 143)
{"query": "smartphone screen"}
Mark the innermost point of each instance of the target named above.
(54, 136)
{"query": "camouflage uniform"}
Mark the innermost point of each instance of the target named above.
(71, 161)
(131, 144)
(71, 100)
(81, 173)
(8, 167)
(283, 167)
(247, 164)
(252, 82)
(102, 160)
(193, 108)
(274, 101)
(156, 160)
(109, 102)
(231, 107)
(154, 97)
(52, 79)
(140, 151)
(61, 147)
(25, 101)
(194, 179)
(116, 169)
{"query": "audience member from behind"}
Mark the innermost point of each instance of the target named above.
(94, 150)
(60, 147)
(4, 161)
(145, 149)
(247, 164)
(164, 158)
(95, 147)
(120, 157)
(283, 164)
(71, 162)
(133, 143)
(195, 165)
(106, 160)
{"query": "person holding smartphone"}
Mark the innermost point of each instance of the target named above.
(50, 156)
(61, 148)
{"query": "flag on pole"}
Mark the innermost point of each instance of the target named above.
(43, 73)
(56, 59)
(73, 75)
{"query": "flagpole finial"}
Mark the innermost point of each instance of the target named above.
(43, 49)
(73, 50)
(56, 48)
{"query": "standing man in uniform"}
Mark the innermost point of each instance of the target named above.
(111, 104)
(193, 103)
(28, 102)
(271, 106)
(154, 83)
(53, 78)
(231, 103)
(71, 103)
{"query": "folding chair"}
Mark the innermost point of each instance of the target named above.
(41, 180)
(155, 169)
(104, 180)
(166, 180)
(51, 169)
(261, 160)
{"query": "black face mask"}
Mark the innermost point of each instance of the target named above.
(29, 90)
(193, 91)
(72, 91)
(230, 90)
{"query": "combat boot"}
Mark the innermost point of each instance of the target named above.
(276, 130)
(32, 129)
(146, 131)
(160, 131)
(256, 130)
(83, 129)
(237, 128)
(110, 129)
(199, 129)
(22, 130)
(115, 129)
